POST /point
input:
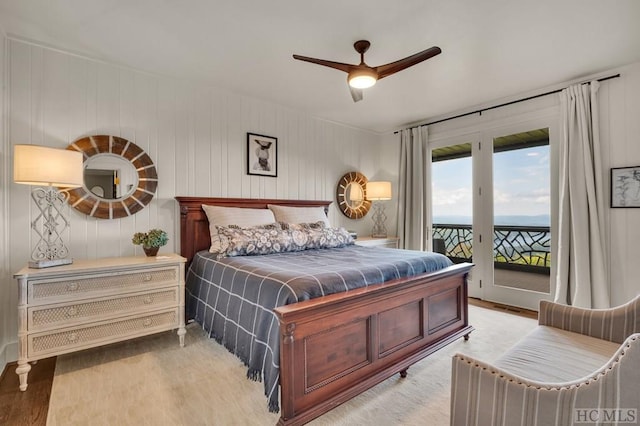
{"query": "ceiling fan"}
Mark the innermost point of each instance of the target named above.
(363, 76)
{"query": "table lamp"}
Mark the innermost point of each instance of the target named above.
(376, 192)
(49, 169)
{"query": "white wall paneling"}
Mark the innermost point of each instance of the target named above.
(620, 130)
(195, 135)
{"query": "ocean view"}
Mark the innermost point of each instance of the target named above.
(510, 220)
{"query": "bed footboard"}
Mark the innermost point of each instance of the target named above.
(338, 346)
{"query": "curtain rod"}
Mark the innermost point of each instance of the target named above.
(480, 111)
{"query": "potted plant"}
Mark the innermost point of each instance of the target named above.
(150, 241)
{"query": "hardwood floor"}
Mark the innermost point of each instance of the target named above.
(27, 408)
(30, 408)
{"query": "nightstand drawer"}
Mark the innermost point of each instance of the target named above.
(71, 339)
(63, 315)
(85, 286)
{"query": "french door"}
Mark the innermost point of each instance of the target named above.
(493, 203)
(452, 202)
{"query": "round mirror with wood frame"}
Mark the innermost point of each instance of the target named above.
(351, 195)
(137, 195)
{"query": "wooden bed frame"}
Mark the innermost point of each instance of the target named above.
(335, 347)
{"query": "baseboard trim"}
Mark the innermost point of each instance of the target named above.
(7, 367)
(504, 308)
(8, 355)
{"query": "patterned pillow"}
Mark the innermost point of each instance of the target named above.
(328, 238)
(255, 240)
(300, 233)
(279, 238)
(303, 226)
(317, 235)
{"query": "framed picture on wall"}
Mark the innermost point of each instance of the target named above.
(262, 155)
(625, 187)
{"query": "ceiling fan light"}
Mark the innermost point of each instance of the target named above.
(362, 79)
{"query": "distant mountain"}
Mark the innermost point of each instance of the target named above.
(452, 220)
(511, 220)
(538, 220)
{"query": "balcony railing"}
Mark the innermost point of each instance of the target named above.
(520, 248)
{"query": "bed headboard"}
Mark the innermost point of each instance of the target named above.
(194, 226)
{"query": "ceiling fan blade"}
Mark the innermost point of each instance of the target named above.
(393, 67)
(336, 65)
(356, 94)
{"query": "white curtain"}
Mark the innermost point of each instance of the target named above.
(582, 269)
(414, 183)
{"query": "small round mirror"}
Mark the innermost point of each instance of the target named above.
(350, 194)
(354, 194)
(110, 177)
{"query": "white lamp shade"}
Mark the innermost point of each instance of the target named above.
(40, 165)
(378, 191)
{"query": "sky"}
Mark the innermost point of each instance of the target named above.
(521, 184)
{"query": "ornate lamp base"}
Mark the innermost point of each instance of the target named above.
(379, 217)
(49, 226)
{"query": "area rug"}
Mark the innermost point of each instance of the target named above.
(152, 381)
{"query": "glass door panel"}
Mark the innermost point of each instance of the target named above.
(452, 204)
(521, 234)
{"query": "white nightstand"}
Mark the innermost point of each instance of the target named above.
(391, 242)
(96, 302)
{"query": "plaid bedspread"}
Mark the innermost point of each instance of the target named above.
(233, 298)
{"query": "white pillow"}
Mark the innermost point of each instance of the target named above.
(225, 216)
(288, 214)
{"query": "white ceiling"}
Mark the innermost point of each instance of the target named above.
(491, 48)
